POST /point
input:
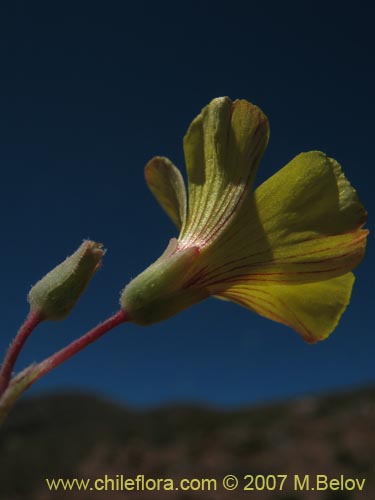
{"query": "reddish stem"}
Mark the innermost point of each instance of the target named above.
(67, 352)
(33, 319)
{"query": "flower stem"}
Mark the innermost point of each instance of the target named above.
(19, 384)
(32, 320)
(70, 350)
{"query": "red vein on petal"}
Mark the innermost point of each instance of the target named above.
(265, 277)
(223, 270)
(271, 312)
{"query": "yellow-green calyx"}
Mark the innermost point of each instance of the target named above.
(161, 290)
(285, 251)
(55, 295)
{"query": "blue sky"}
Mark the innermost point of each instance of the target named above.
(91, 91)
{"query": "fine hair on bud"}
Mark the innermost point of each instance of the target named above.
(55, 295)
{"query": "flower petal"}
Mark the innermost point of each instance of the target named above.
(312, 309)
(223, 147)
(302, 225)
(167, 185)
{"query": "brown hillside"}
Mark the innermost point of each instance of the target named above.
(67, 436)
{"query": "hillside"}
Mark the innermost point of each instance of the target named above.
(75, 435)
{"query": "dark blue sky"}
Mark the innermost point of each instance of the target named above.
(89, 92)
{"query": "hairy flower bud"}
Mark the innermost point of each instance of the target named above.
(55, 295)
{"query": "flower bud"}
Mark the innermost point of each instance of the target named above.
(55, 295)
(162, 290)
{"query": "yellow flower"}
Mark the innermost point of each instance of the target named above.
(284, 251)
